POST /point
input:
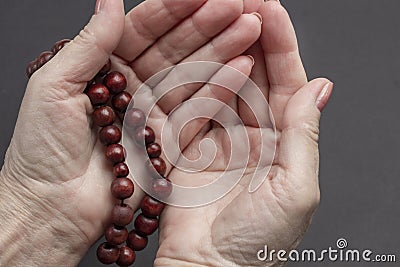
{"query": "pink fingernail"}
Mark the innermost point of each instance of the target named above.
(324, 96)
(258, 15)
(99, 5)
(252, 59)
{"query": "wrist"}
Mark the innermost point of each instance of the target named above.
(32, 233)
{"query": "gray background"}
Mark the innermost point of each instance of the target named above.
(355, 43)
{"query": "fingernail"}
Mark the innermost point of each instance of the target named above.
(274, 1)
(252, 59)
(258, 15)
(99, 5)
(324, 96)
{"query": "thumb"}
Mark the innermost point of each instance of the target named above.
(298, 150)
(80, 60)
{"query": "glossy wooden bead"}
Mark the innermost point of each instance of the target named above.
(107, 253)
(115, 82)
(103, 116)
(105, 69)
(121, 170)
(110, 135)
(116, 235)
(161, 188)
(134, 118)
(122, 188)
(145, 226)
(59, 45)
(153, 150)
(136, 242)
(150, 207)
(126, 256)
(159, 165)
(144, 135)
(115, 153)
(121, 101)
(122, 215)
(44, 58)
(98, 94)
(32, 68)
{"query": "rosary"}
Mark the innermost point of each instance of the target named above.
(110, 101)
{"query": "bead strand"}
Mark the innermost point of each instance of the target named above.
(99, 91)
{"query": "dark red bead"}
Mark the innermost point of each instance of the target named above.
(122, 188)
(98, 94)
(116, 235)
(103, 116)
(121, 170)
(59, 45)
(145, 226)
(32, 68)
(161, 188)
(136, 242)
(126, 256)
(45, 57)
(115, 153)
(107, 253)
(121, 101)
(122, 215)
(153, 150)
(144, 135)
(151, 208)
(106, 68)
(134, 118)
(110, 135)
(115, 82)
(159, 165)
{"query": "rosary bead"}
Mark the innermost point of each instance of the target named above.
(122, 215)
(107, 253)
(122, 188)
(150, 207)
(121, 101)
(121, 170)
(115, 153)
(44, 58)
(136, 242)
(126, 256)
(153, 150)
(115, 81)
(32, 68)
(161, 187)
(98, 94)
(145, 226)
(116, 235)
(134, 118)
(110, 135)
(159, 165)
(106, 68)
(103, 116)
(144, 135)
(59, 45)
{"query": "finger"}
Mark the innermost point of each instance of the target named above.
(246, 110)
(227, 45)
(285, 70)
(187, 37)
(82, 58)
(298, 149)
(149, 21)
(232, 76)
(251, 6)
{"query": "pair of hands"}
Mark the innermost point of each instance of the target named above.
(55, 180)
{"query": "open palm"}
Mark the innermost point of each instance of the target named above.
(230, 231)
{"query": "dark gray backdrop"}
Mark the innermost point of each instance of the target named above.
(354, 43)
